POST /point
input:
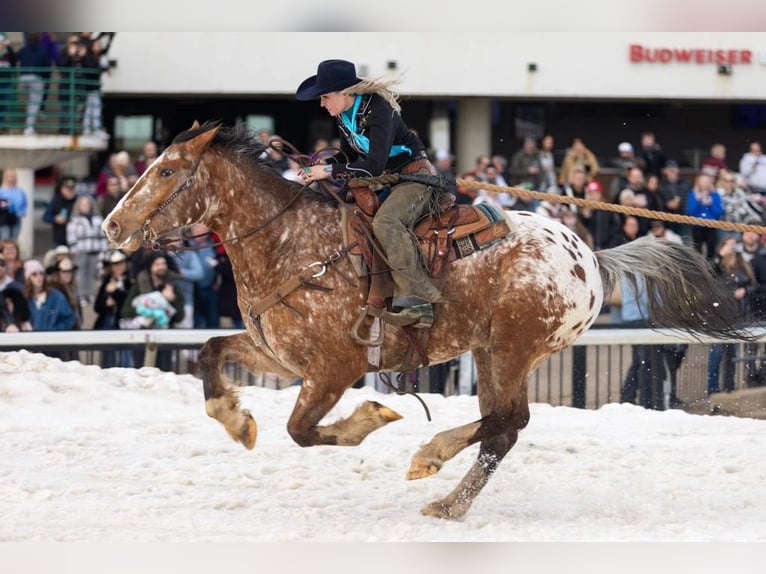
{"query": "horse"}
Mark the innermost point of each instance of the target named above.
(527, 297)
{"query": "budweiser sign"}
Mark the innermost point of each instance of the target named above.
(639, 53)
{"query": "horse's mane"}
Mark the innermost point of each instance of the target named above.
(240, 140)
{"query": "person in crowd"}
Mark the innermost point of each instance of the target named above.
(502, 171)
(736, 273)
(14, 311)
(626, 158)
(737, 205)
(634, 313)
(6, 280)
(675, 196)
(32, 59)
(658, 230)
(443, 162)
(9, 249)
(652, 155)
(110, 299)
(61, 275)
(715, 163)
(190, 271)
(227, 291)
(579, 155)
(705, 203)
(13, 205)
(114, 193)
(376, 139)
(74, 72)
(87, 242)
(466, 195)
(575, 186)
(206, 296)
(59, 209)
(150, 153)
(654, 199)
(153, 301)
(549, 178)
(752, 166)
(93, 70)
(120, 166)
(571, 221)
(638, 196)
(601, 224)
(7, 63)
(525, 165)
(629, 231)
(48, 307)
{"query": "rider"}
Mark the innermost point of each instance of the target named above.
(376, 140)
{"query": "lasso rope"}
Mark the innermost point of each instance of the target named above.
(586, 203)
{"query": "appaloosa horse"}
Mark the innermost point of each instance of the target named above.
(513, 305)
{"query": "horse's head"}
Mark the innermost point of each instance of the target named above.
(166, 196)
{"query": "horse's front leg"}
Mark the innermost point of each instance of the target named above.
(221, 399)
(315, 401)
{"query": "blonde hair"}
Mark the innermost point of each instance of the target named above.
(380, 86)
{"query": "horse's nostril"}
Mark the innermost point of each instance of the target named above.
(113, 228)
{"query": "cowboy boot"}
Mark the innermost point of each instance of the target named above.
(410, 310)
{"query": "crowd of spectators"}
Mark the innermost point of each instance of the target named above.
(195, 288)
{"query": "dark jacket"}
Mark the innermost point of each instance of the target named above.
(384, 127)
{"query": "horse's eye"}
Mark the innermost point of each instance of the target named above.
(167, 172)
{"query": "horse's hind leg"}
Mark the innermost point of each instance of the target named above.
(315, 401)
(505, 410)
(221, 399)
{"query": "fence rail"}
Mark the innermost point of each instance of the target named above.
(588, 375)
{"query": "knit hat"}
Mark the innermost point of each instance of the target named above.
(32, 266)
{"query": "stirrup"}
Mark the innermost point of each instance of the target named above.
(418, 316)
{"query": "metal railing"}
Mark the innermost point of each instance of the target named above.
(588, 375)
(55, 97)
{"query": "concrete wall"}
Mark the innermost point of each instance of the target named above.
(495, 64)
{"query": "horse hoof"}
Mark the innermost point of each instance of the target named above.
(422, 469)
(249, 432)
(385, 413)
(439, 509)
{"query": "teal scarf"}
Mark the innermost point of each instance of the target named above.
(363, 142)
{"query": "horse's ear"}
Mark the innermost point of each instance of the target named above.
(195, 125)
(198, 143)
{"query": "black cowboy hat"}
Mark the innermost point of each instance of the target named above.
(331, 76)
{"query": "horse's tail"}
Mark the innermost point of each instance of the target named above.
(684, 291)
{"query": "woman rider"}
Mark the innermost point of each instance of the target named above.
(376, 140)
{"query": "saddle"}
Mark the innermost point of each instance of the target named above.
(452, 232)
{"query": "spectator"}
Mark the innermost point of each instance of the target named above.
(626, 158)
(61, 275)
(443, 163)
(634, 313)
(33, 55)
(206, 302)
(13, 205)
(734, 271)
(5, 279)
(628, 232)
(737, 207)
(59, 210)
(110, 299)
(163, 308)
(579, 155)
(657, 230)
(547, 165)
(87, 242)
(601, 224)
(525, 165)
(91, 122)
(752, 166)
(14, 311)
(150, 153)
(571, 221)
(73, 83)
(190, 270)
(227, 291)
(114, 193)
(575, 186)
(705, 203)
(9, 249)
(715, 163)
(7, 63)
(675, 196)
(652, 155)
(119, 166)
(48, 307)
